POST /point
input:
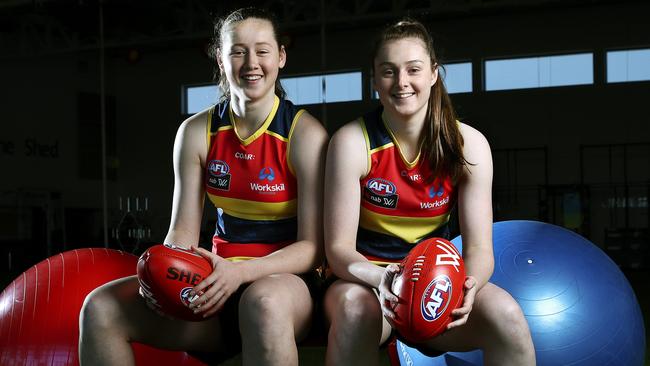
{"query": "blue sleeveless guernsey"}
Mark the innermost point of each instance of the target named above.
(398, 207)
(251, 182)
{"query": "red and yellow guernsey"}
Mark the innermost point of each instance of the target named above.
(251, 182)
(400, 206)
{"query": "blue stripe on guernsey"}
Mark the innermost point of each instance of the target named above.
(371, 243)
(238, 230)
(220, 116)
(378, 136)
(401, 203)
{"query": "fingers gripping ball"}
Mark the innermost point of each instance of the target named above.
(167, 273)
(429, 286)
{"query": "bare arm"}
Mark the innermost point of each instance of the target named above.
(190, 150)
(475, 207)
(347, 162)
(475, 215)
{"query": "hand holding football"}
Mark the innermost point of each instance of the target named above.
(429, 287)
(167, 273)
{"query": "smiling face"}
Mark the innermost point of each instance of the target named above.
(250, 58)
(403, 77)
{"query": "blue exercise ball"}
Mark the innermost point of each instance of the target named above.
(580, 307)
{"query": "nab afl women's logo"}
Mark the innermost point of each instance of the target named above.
(435, 298)
(380, 192)
(219, 177)
(218, 168)
(381, 187)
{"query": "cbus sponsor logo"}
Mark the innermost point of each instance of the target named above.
(381, 192)
(436, 298)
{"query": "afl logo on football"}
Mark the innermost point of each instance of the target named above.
(381, 187)
(218, 168)
(185, 296)
(435, 298)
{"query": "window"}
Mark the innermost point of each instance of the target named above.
(539, 72)
(457, 77)
(339, 87)
(628, 65)
(200, 97)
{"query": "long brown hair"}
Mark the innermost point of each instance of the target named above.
(222, 25)
(442, 142)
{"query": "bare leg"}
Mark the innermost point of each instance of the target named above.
(274, 312)
(357, 326)
(497, 326)
(114, 315)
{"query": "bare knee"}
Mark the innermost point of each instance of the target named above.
(516, 332)
(351, 307)
(262, 311)
(510, 325)
(100, 311)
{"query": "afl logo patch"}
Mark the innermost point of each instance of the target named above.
(381, 187)
(380, 192)
(436, 298)
(219, 175)
(218, 168)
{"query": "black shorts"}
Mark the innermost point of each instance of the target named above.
(229, 321)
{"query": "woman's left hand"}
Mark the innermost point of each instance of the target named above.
(461, 314)
(217, 287)
(387, 299)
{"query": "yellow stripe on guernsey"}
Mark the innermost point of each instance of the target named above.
(288, 140)
(239, 259)
(251, 210)
(382, 263)
(262, 129)
(410, 229)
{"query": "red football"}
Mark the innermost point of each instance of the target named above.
(429, 286)
(167, 273)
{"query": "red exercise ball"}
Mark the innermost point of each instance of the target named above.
(39, 310)
(429, 286)
(167, 273)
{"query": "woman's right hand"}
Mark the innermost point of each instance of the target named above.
(215, 289)
(387, 298)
